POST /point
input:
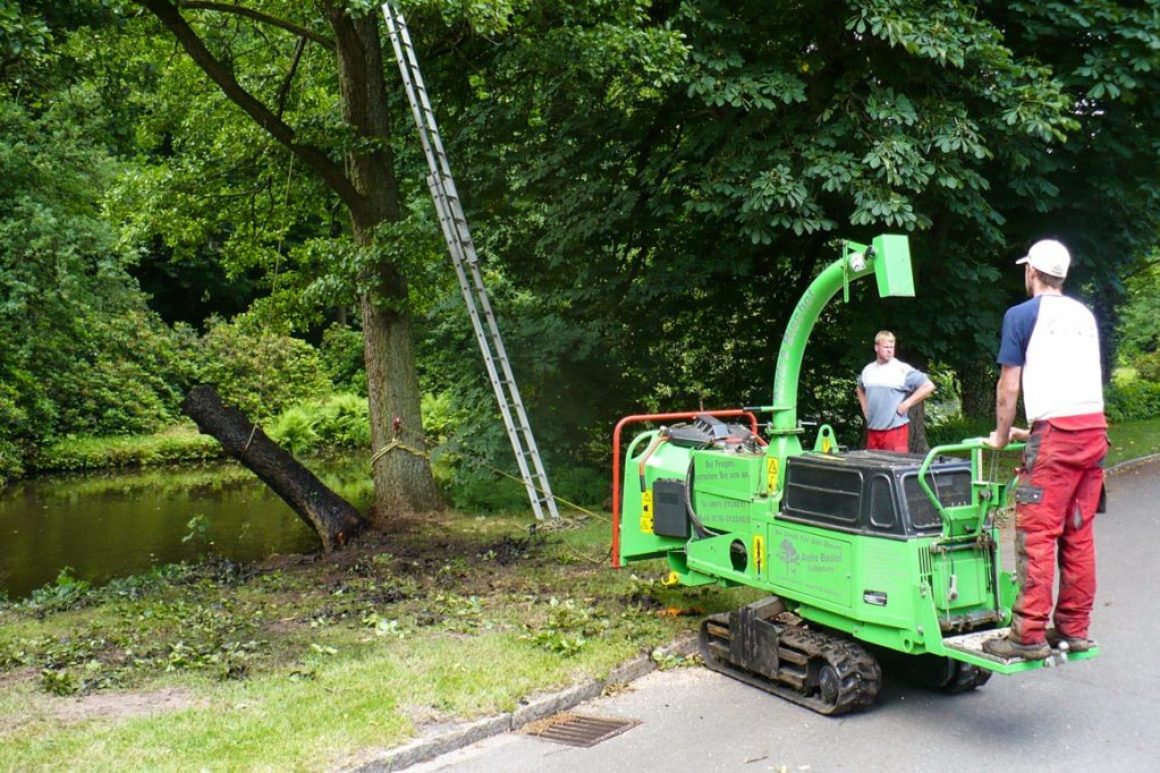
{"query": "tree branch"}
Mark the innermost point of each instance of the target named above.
(1140, 268)
(316, 159)
(284, 89)
(250, 13)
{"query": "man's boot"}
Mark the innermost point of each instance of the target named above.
(1007, 648)
(1074, 643)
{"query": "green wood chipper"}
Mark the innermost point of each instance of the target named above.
(869, 556)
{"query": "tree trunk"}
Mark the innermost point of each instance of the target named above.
(403, 480)
(977, 381)
(918, 443)
(402, 474)
(334, 519)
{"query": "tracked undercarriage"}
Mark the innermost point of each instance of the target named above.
(761, 646)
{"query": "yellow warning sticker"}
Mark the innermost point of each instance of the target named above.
(771, 473)
(646, 511)
(759, 553)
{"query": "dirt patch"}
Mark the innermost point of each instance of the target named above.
(126, 705)
(7, 679)
(508, 550)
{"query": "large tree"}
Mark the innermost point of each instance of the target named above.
(357, 166)
(669, 216)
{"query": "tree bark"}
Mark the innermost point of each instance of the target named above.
(334, 519)
(918, 443)
(977, 381)
(403, 480)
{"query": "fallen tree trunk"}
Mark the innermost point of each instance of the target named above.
(334, 519)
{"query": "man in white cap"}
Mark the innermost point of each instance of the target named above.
(1050, 346)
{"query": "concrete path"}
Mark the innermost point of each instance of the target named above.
(1102, 714)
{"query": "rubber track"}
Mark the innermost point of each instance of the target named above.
(967, 677)
(860, 677)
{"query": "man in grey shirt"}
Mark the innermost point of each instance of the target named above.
(887, 389)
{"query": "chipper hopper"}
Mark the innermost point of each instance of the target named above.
(869, 556)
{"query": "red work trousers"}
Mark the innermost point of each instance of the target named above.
(897, 439)
(1055, 507)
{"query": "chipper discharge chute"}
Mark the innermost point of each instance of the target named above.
(868, 555)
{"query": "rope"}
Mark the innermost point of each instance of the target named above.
(560, 525)
(396, 443)
(274, 281)
(399, 429)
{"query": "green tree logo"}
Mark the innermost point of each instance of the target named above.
(788, 554)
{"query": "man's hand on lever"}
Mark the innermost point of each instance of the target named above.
(1014, 435)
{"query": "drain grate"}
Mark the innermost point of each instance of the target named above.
(577, 729)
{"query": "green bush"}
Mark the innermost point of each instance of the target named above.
(477, 488)
(11, 457)
(293, 429)
(958, 428)
(344, 420)
(260, 372)
(341, 351)
(337, 421)
(177, 444)
(1148, 367)
(587, 487)
(80, 351)
(1132, 401)
(481, 490)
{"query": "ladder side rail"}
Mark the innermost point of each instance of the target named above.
(471, 300)
(420, 103)
(424, 104)
(525, 426)
(444, 181)
(400, 42)
(514, 436)
(459, 222)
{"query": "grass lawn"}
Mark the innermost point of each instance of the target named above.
(1133, 439)
(305, 662)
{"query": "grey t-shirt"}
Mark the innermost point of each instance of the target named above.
(886, 386)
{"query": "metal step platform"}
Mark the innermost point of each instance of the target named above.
(968, 647)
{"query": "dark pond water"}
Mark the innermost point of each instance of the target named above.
(107, 526)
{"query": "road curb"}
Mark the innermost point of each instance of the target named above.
(1124, 466)
(445, 739)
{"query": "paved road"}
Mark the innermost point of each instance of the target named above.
(1102, 714)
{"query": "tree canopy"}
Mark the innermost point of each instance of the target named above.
(651, 185)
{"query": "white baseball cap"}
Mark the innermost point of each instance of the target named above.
(1049, 257)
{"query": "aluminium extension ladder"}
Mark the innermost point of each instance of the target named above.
(466, 262)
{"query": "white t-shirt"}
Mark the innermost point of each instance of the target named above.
(886, 385)
(1055, 340)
